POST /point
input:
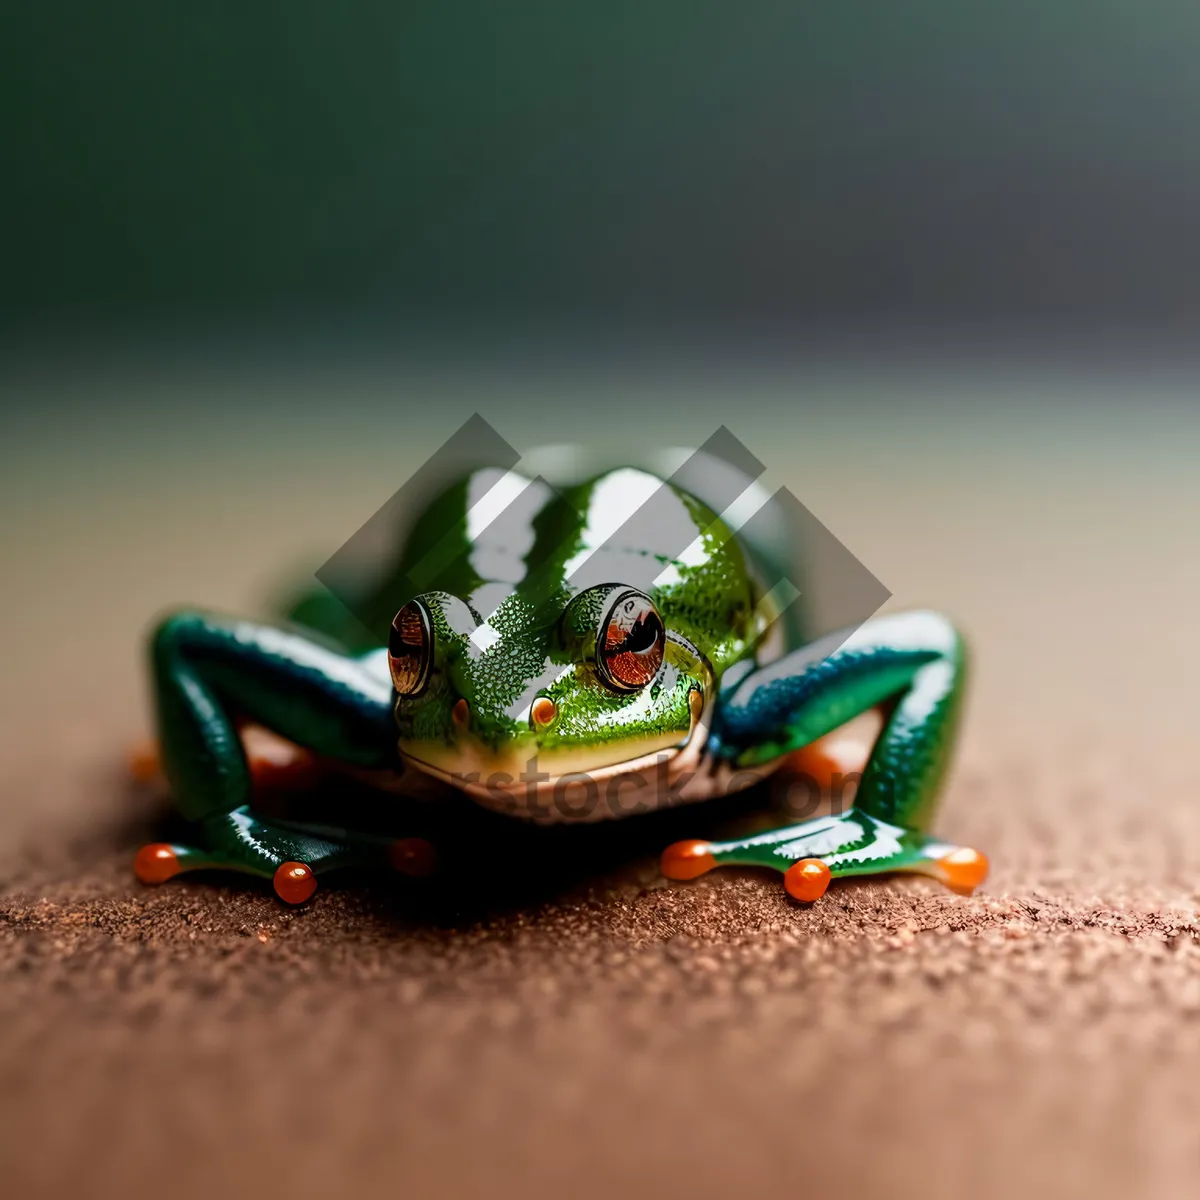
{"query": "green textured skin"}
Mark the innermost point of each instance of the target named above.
(322, 685)
(697, 604)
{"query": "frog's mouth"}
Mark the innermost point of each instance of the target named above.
(553, 786)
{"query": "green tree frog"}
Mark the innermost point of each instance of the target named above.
(552, 694)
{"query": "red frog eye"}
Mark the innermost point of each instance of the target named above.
(410, 647)
(630, 642)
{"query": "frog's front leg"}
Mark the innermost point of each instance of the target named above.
(912, 661)
(210, 671)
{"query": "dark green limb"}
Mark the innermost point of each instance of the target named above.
(210, 672)
(914, 660)
(913, 664)
(290, 855)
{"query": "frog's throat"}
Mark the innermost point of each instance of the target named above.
(572, 785)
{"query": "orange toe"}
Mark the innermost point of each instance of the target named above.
(144, 763)
(156, 863)
(838, 755)
(413, 856)
(962, 870)
(687, 860)
(275, 763)
(807, 880)
(295, 882)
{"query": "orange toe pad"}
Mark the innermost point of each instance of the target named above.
(413, 856)
(962, 870)
(295, 882)
(144, 763)
(807, 880)
(687, 860)
(156, 863)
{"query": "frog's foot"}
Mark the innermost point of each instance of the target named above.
(275, 763)
(291, 856)
(815, 852)
(294, 882)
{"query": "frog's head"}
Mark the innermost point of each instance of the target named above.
(576, 703)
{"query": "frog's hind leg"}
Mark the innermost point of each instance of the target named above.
(208, 672)
(275, 764)
(915, 662)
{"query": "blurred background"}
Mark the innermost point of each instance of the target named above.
(389, 169)
(936, 264)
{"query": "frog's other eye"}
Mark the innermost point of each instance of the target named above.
(410, 648)
(630, 642)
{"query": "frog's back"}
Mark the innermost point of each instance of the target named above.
(493, 532)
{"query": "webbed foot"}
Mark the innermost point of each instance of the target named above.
(291, 856)
(814, 853)
(157, 862)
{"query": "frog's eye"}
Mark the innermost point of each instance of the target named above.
(410, 647)
(629, 642)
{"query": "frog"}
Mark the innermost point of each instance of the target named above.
(567, 663)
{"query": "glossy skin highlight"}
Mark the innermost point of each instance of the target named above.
(614, 665)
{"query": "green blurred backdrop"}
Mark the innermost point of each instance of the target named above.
(640, 165)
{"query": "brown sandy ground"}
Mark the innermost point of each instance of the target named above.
(552, 1016)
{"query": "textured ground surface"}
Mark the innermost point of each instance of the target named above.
(583, 1028)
